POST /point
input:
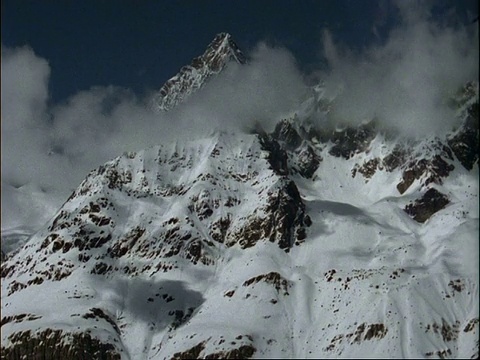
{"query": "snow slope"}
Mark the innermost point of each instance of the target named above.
(222, 247)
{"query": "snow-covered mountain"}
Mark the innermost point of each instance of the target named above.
(300, 243)
(190, 78)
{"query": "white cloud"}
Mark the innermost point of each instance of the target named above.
(24, 117)
(267, 88)
(406, 82)
(24, 87)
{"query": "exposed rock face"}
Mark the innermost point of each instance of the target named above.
(362, 333)
(292, 150)
(57, 344)
(278, 281)
(430, 203)
(243, 352)
(283, 223)
(431, 168)
(218, 54)
(286, 133)
(197, 352)
(351, 141)
(277, 156)
(428, 161)
(465, 143)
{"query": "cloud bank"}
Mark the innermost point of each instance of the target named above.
(24, 118)
(406, 82)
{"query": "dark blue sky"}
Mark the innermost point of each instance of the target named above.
(140, 44)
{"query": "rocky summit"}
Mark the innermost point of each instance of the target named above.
(302, 242)
(190, 78)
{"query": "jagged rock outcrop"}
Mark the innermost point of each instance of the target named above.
(294, 151)
(465, 143)
(277, 156)
(57, 344)
(197, 352)
(351, 141)
(284, 221)
(431, 202)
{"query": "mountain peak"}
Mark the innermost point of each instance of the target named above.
(221, 51)
(224, 45)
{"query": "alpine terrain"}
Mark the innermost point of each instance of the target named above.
(304, 242)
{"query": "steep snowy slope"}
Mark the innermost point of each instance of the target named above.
(300, 243)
